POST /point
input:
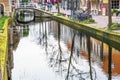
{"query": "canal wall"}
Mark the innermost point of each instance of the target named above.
(111, 38)
(106, 36)
(4, 51)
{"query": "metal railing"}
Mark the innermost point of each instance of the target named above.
(26, 5)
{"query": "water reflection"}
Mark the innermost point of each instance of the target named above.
(25, 16)
(72, 55)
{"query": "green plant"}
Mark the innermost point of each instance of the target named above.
(115, 11)
(60, 14)
(118, 12)
(24, 0)
(114, 26)
(88, 21)
(2, 20)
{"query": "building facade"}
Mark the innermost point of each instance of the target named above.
(99, 6)
(5, 7)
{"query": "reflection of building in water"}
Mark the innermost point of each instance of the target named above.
(99, 53)
(16, 37)
(13, 43)
(99, 50)
(115, 62)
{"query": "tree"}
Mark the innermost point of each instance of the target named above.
(72, 8)
(24, 0)
(109, 14)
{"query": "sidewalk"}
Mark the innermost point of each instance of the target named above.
(101, 21)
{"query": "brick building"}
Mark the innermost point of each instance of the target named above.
(99, 6)
(5, 7)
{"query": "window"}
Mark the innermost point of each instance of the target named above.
(115, 4)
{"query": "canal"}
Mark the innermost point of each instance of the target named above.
(49, 50)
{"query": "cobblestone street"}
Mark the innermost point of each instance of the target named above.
(102, 21)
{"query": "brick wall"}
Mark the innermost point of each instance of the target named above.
(6, 5)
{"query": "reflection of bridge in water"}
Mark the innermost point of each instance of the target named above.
(25, 15)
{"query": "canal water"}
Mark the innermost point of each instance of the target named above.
(53, 51)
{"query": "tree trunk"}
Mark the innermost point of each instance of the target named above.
(72, 8)
(109, 14)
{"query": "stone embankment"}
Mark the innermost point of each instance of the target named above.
(111, 38)
(5, 53)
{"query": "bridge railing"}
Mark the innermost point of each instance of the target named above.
(32, 5)
(26, 5)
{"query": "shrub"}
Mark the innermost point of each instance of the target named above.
(118, 13)
(60, 14)
(114, 11)
(114, 26)
(2, 20)
(88, 21)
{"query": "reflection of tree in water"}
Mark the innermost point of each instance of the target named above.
(25, 30)
(42, 34)
(57, 60)
(64, 62)
(74, 72)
